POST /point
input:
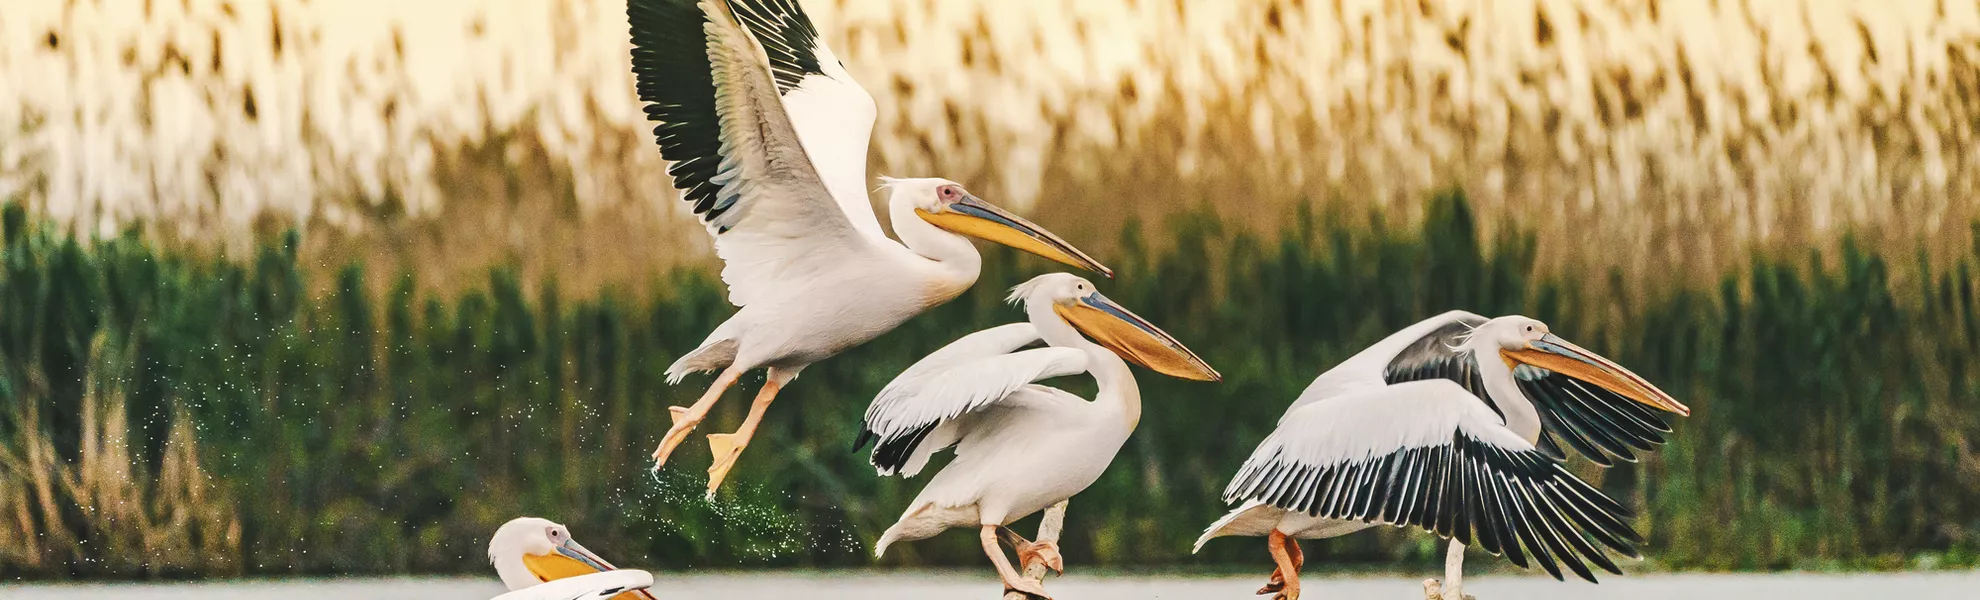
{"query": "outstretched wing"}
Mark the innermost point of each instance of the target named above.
(1428, 454)
(1435, 355)
(833, 115)
(736, 157)
(1597, 423)
(980, 370)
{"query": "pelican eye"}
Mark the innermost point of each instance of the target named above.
(950, 193)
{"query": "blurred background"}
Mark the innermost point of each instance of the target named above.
(294, 287)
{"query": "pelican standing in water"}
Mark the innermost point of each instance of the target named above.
(1020, 447)
(1448, 426)
(529, 552)
(767, 137)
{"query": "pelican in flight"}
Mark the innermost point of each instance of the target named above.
(1448, 426)
(1020, 447)
(530, 553)
(767, 136)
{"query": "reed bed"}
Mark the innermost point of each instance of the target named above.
(1664, 139)
(165, 413)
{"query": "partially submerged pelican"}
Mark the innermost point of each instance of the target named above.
(1020, 447)
(767, 136)
(1447, 426)
(528, 552)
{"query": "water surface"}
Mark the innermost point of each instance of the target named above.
(968, 585)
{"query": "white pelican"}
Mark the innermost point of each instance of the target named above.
(1419, 430)
(528, 552)
(596, 586)
(767, 135)
(1020, 447)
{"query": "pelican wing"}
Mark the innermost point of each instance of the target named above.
(1597, 423)
(1426, 454)
(916, 414)
(995, 341)
(599, 586)
(833, 115)
(1403, 356)
(736, 157)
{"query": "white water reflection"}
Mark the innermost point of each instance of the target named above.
(968, 585)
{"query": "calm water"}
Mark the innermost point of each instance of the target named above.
(921, 586)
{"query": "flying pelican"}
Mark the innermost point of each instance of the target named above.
(1422, 430)
(1020, 447)
(767, 136)
(528, 552)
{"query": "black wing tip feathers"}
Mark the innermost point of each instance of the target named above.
(1599, 424)
(1522, 505)
(787, 36)
(892, 451)
(675, 82)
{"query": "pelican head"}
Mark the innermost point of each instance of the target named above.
(947, 205)
(528, 551)
(1526, 341)
(1133, 338)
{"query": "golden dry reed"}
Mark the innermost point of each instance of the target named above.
(1658, 137)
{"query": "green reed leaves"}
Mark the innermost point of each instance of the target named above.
(166, 416)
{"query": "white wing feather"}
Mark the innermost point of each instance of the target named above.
(1364, 370)
(937, 395)
(1253, 518)
(1413, 453)
(594, 586)
(966, 377)
(1363, 424)
(995, 341)
(789, 223)
(832, 114)
(834, 119)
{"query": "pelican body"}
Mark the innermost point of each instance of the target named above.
(1448, 426)
(1020, 447)
(596, 586)
(529, 552)
(767, 135)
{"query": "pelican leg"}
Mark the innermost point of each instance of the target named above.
(1278, 581)
(1012, 582)
(1285, 580)
(729, 446)
(1452, 587)
(685, 418)
(1028, 551)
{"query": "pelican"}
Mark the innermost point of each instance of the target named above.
(1422, 430)
(596, 586)
(1020, 447)
(529, 552)
(767, 137)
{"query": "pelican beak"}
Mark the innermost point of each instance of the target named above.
(973, 217)
(1555, 354)
(575, 551)
(1134, 338)
(571, 559)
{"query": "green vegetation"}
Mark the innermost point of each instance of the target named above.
(162, 415)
